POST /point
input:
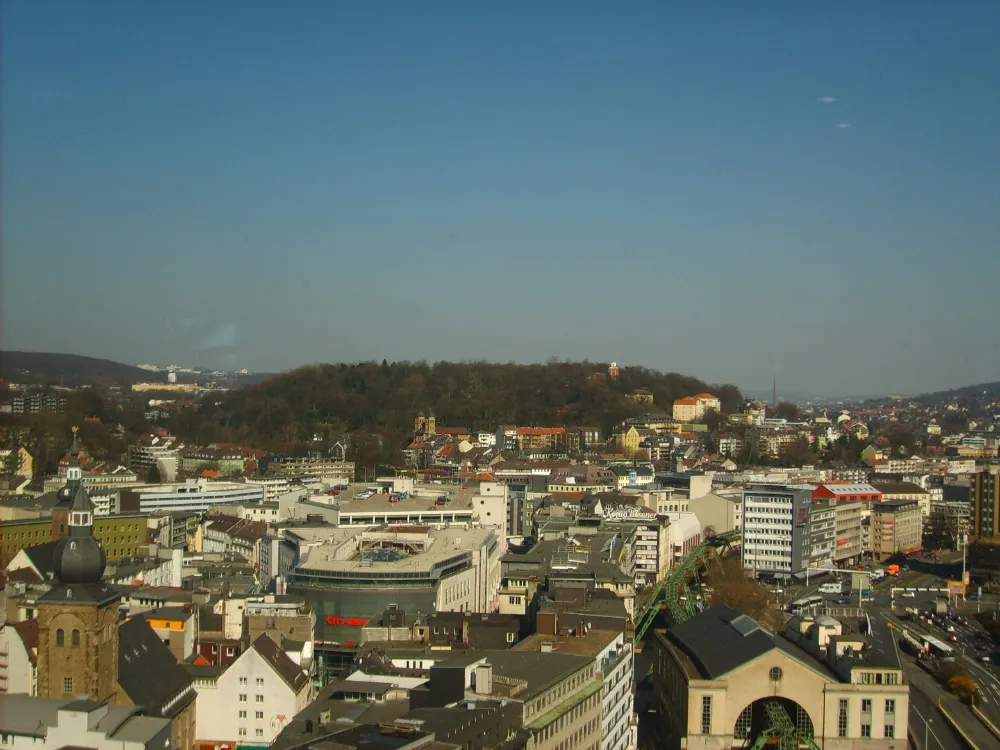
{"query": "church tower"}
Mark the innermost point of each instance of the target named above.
(78, 616)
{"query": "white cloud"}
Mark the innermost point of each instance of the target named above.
(827, 99)
(843, 125)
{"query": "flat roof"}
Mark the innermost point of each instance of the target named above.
(590, 644)
(439, 545)
(538, 671)
(458, 499)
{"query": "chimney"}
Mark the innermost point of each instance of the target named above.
(484, 679)
(546, 647)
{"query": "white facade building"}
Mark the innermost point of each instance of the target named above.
(274, 486)
(18, 673)
(253, 699)
(194, 495)
(615, 663)
(775, 520)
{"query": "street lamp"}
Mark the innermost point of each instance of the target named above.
(927, 727)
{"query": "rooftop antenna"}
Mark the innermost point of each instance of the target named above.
(774, 392)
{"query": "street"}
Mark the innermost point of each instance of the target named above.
(929, 729)
(965, 636)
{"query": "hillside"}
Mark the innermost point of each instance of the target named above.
(69, 369)
(333, 400)
(982, 391)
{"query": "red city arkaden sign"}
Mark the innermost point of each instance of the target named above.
(354, 622)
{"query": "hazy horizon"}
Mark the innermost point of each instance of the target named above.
(725, 191)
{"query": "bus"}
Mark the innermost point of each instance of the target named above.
(801, 605)
(938, 648)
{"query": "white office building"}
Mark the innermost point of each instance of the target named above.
(196, 495)
(776, 529)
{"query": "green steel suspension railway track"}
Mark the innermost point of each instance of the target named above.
(678, 595)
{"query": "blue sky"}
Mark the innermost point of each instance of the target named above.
(271, 184)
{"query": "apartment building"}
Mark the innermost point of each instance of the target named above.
(159, 450)
(556, 698)
(906, 491)
(984, 491)
(328, 468)
(776, 530)
(850, 538)
(695, 407)
(239, 706)
(613, 659)
(896, 528)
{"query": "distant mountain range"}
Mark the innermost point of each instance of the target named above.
(801, 397)
(69, 369)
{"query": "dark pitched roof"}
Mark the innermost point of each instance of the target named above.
(287, 669)
(81, 593)
(147, 670)
(42, 556)
(28, 630)
(720, 639)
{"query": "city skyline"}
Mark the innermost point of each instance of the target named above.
(807, 192)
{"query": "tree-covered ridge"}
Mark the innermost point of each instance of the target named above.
(331, 400)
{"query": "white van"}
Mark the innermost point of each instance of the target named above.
(831, 588)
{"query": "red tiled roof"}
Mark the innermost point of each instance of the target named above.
(686, 402)
(706, 396)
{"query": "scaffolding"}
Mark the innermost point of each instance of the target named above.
(781, 731)
(678, 591)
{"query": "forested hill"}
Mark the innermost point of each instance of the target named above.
(66, 369)
(341, 399)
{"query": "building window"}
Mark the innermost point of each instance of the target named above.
(67, 685)
(511, 637)
(775, 674)
(866, 705)
(842, 718)
(243, 680)
(706, 714)
(260, 682)
(243, 731)
(260, 698)
(243, 714)
(260, 715)
(803, 724)
(742, 731)
(890, 705)
(76, 638)
(890, 731)
(243, 697)
(866, 730)
(60, 637)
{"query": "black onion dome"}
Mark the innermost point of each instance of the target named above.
(79, 559)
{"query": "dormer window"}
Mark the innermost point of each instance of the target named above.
(80, 519)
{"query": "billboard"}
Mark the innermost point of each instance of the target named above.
(956, 588)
